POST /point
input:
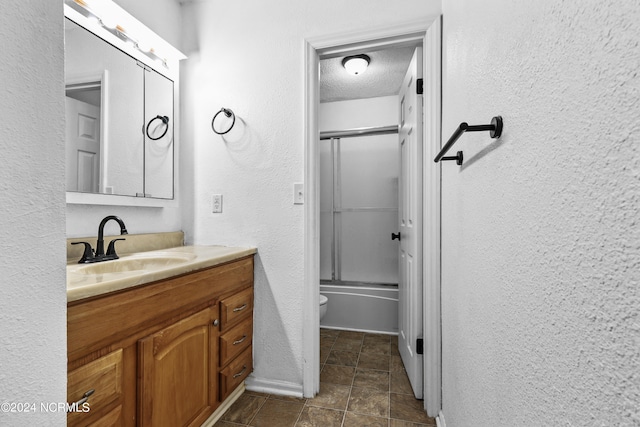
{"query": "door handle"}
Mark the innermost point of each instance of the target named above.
(395, 236)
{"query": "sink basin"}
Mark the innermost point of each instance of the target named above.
(136, 262)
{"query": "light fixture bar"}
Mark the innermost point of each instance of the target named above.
(118, 22)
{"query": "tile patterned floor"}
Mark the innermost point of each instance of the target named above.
(362, 384)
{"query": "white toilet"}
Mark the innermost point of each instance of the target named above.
(323, 306)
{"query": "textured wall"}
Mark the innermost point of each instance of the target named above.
(249, 56)
(358, 113)
(83, 220)
(32, 243)
(161, 16)
(540, 235)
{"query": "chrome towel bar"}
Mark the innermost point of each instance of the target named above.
(495, 130)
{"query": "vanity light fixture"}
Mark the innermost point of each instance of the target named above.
(356, 64)
(99, 10)
(109, 15)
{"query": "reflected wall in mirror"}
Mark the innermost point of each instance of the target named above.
(111, 101)
(158, 154)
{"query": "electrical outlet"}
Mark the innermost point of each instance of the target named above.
(298, 193)
(216, 202)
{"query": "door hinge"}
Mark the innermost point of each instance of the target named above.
(420, 346)
(419, 86)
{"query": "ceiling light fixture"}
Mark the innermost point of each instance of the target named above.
(356, 64)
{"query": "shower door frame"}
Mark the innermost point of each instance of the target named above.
(429, 32)
(335, 139)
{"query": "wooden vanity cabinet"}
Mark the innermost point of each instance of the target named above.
(153, 354)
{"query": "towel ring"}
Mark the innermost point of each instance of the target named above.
(165, 120)
(227, 112)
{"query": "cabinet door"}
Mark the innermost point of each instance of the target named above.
(177, 371)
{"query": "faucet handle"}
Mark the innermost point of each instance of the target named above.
(87, 256)
(111, 249)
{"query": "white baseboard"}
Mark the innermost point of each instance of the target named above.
(440, 420)
(281, 388)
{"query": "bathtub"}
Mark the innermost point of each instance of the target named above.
(366, 308)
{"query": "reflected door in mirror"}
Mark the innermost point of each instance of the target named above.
(83, 146)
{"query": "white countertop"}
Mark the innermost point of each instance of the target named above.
(187, 258)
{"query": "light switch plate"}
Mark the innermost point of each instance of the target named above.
(216, 202)
(298, 193)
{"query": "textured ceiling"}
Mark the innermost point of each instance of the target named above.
(382, 78)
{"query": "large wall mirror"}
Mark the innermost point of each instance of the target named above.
(120, 119)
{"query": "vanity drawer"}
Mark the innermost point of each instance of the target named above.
(104, 377)
(235, 308)
(235, 373)
(234, 341)
(113, 418)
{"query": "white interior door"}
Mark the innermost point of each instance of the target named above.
(431, 215)
(410, 218)
(83, 146)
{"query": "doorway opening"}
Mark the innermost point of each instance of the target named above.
(426, 34)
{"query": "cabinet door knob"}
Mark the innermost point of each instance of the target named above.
(216, 322)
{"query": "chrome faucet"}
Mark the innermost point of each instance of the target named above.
(89, 256)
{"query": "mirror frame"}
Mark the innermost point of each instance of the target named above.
(171, 71)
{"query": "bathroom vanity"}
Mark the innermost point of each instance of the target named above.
(156, 342)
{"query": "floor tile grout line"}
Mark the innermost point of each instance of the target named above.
(344, 418)
(344, 413)
(347, 404)
(300, 414)
(389, 390)
(258, 411)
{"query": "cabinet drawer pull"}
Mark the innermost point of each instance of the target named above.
(244, 368)
(240, 341)
(242, 307)
(85, 397)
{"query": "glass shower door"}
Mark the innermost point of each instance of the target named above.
(359, 209)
